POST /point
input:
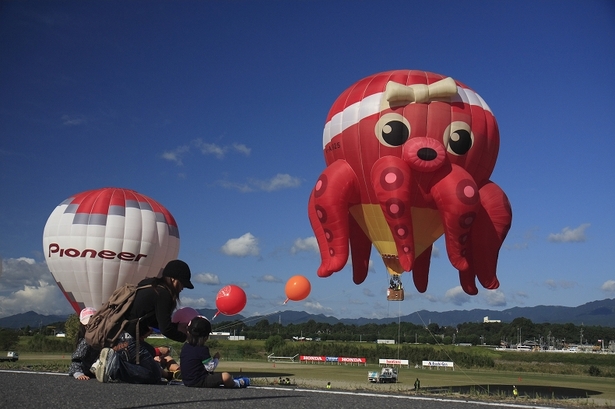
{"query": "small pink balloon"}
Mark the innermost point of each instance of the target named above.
(184, 315)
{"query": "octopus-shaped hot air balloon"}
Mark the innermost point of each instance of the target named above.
(409, 155)
(98, 240)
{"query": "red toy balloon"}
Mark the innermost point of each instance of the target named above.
(297, 288)
(230, 300)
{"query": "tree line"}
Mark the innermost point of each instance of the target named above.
(519, 331)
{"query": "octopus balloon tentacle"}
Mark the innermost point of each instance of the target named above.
(409, 155)
(390, 177)
(361, 249)
(420, 272)
(329, 218)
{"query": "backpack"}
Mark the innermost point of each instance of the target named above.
(108, 323)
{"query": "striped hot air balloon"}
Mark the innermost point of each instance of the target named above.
(99, 240)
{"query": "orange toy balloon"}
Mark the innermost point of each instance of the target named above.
(297, 288)
(230, 300)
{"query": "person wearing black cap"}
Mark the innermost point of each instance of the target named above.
(157, 303)
(197, 364)
(152, 307)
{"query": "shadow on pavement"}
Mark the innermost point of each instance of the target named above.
(531, 391)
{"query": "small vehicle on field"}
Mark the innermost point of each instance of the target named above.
(10, 356)
(384, 376)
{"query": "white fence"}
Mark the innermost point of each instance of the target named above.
(273, 358)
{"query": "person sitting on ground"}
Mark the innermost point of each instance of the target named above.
(169, 368)
(163, 356)
(198, 365)
(84, 355)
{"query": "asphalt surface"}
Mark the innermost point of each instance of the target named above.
(45, 390)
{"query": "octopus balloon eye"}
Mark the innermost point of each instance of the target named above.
(392, 130)
(458, 138)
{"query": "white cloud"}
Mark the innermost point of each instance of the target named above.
(44, 298)
(307, 244)
(457, 296)
(495, 298)
(73, 120)
(556, 284)
(26, 285)
(246, 245)
(270, 279)
(353, 301)
(176, 154)
(20, 272)
(430, 298)
(315, 307)
(568, 235)
(194, 302)
(219, 151)
(241, 148)
(210, 148)
(608, 286)
(207, 278)
(368, 293)
(278, 182)
(240, 187)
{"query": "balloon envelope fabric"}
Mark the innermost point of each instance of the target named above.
(98, 240)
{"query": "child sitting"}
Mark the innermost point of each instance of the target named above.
(84, 355)
(197, 364)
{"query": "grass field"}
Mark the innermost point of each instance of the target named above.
(537, 388)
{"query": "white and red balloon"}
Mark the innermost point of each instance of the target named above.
(99, 240)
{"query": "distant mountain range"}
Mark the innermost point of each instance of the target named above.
(595, 313)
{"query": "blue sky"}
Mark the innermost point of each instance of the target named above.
(216, 110)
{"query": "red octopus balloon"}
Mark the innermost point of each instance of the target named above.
(409, 155)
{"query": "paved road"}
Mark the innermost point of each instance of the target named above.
(45, 390)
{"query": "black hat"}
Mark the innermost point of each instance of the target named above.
(199, 327)
(178, 270)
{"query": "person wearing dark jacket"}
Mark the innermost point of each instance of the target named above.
(132, 359)
(84, 355)
(157, 303)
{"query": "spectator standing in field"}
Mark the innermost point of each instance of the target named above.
(84, 355)
(197, 364)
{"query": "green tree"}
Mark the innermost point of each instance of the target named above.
(274, 343)
(8, 339)
(71, 327)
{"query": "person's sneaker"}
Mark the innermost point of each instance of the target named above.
(105, 358)
(95, 365)
(243, 382)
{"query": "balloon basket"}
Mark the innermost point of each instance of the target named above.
(395, 295)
